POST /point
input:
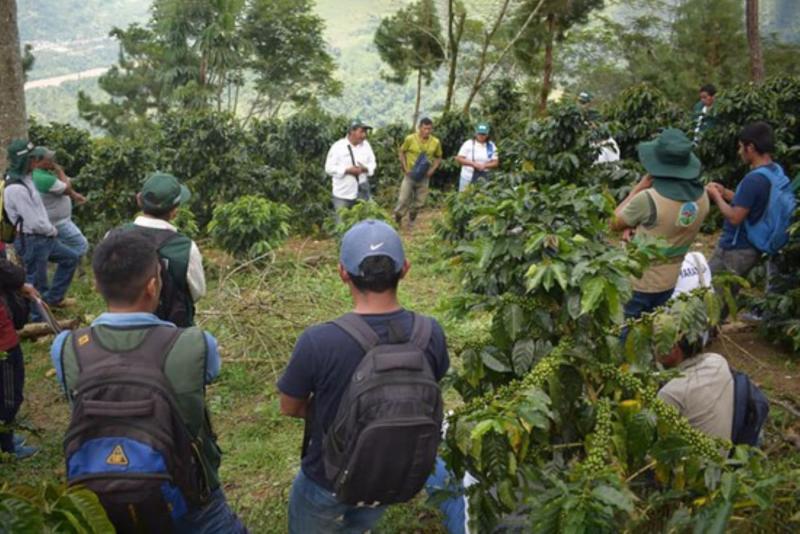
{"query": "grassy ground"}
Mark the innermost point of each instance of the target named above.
(256, 315)
(258, 312)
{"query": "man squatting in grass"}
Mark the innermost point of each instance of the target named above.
(371, 264)
(37, 243)
(414, 189)
(350, 163)
(669, 202)
(127, 275)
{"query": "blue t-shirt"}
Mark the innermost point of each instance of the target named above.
(323, 361)
(752, 193)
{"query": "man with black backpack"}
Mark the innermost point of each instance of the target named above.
(140, 435)
(182, 275)
(716, 399)
(758, 214)
(366, 383)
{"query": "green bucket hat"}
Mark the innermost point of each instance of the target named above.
(19, 152)
(672, 164)
(162, 192)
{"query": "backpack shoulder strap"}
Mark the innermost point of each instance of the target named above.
(359, 330)
(421, 331)
(154, 347)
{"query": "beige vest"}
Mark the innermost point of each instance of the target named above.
(678, 223)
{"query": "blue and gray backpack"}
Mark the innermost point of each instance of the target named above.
(771, 232)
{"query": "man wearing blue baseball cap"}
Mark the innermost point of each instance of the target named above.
(328, 358)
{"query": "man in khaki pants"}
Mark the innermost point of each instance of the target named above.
(420, 156)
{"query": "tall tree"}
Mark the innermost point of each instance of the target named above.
(456, 21)
(411, 41)
(12, 82)
(754, 42)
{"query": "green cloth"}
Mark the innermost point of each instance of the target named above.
(18, 152)
(641, 210)
(672, 164)
(162, 192)
(702, 121)
(43, 180)
(413, 146)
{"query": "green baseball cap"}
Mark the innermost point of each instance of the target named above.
(358, 123)
(18, 151)
(584, 97)
(482, 128)
(162, 192)
(672, 164)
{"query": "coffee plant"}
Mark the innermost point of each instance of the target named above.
(51, 508)
(250, 227)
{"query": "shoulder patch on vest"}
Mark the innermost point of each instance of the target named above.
(117, 456)
(688, 214)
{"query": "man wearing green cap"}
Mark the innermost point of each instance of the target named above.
(37, 243)
(183, 278)
(476, 157)
(350, 163)
(670, 202)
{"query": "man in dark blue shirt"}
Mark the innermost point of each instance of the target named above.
(734, 252)
(372, 263)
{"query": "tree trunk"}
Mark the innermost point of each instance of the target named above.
(419, 96)
(754, 42)
(455, 29)
(13, 122)
(547, 77)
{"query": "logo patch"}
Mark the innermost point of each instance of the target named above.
(117, 456)
(83, 340)
(688, 214)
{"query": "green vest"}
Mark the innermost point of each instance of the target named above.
(185, 368)
(175, 251)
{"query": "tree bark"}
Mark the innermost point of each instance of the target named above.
(419, 97)
(455, 29)
(754, 42)
(547, 75)
(13, 123)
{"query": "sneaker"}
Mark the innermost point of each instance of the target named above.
(25, 452)
(19, 441)
(750, 316)
(63, 303)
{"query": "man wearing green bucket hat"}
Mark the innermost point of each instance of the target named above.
(670, 202)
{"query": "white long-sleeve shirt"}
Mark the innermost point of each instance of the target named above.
(345, 186)
(195, 276)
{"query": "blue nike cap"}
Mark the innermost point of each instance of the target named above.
(370, 238)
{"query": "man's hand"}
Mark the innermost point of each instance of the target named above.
(480, 167)
(645, 183)
(354, 170)
(628, 234)
(78, 198)
(429, 173)
(28, 291)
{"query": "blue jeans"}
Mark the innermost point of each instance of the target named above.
(313, 510)
(70, 235)
(12, 380)
(645, 302)
(36, 251)
(215, 517)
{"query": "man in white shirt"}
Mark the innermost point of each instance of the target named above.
(477, 156)
(350, 163)
(161, 196)
(704, 393)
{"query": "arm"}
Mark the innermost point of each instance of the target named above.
(617, 222)
(334, 166)
(402, 155)
(734, 214)
(55, 356)
(293, 407)
(464, 161)
(195, 276)
(371, 164)
(492, 163)
(436, 163)
(213, 359)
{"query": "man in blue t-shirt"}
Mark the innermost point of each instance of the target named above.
(372, 263)
(734, 252)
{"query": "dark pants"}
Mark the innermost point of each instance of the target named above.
(215, 517)
(645, 302)
(12, 379)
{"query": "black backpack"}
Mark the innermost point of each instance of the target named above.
(126, 440)
(750, 410)
(381, 446)
(175, 303)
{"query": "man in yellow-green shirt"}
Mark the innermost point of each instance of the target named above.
(420, 156)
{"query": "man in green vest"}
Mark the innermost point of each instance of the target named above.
(127, 274)
(703, 112)
(671, 203)
(161, 196)
(420, 156)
